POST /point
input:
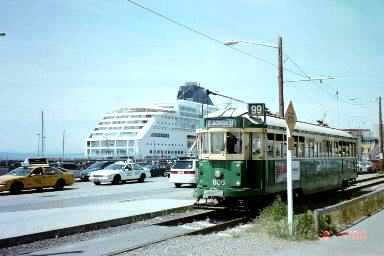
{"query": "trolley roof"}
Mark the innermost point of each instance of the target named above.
(279, 122)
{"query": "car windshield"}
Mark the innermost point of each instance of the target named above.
(114, 167)
(20, 171)
(183, 165)
(96, 165)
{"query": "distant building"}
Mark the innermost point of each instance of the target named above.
(150, 132)
(368, 142)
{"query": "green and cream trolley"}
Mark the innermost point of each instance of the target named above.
(243, 157)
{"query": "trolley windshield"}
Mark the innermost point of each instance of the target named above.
(220, 142)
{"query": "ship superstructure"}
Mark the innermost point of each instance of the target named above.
(156, 131)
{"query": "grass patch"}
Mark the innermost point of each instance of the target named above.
(273, 219)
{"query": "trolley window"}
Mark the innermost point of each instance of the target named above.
(256, 144)
(205, 143)
(279, 145)
(217, 143)
(233, 142)
(309, 147)
(270, 145)
(301, 147)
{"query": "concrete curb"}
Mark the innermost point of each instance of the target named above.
(24, 239)
(348, 213)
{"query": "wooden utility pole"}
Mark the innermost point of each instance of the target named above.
(381, 135)
(280, 75)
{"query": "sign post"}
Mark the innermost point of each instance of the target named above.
(290, 118)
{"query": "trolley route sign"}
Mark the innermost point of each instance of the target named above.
(257, 110)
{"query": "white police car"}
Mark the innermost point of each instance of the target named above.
(118, 172)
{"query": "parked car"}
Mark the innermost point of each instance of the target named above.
(118, 172)
(35, 176)
(376, 165)
(364, 166)
(155, 170)
(74, 168)
(184, 172)
(99, 165)
(147, 170)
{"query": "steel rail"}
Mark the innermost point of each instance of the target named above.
(370, 178)
(373, 181)
(187, 219)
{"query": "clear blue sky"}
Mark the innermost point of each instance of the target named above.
(79, 59)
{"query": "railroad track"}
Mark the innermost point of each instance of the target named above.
(370, 178)
(205, 222)
(366, 182)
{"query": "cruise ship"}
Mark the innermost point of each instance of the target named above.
(156, 131)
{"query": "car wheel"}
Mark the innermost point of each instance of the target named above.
(59, 185)
(177, 185)
(116, 180)
(16, 188)
(142, 177)
(96, 182)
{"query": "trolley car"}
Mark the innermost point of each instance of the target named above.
(243, 157)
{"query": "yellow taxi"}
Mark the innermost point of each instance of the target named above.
(35, 174)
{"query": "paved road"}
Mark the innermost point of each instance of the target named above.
(86, 193)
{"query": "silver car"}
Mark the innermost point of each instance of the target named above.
(364, 166)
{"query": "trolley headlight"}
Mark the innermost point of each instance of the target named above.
(218, 174)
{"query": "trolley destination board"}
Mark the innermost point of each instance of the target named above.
(221, 123)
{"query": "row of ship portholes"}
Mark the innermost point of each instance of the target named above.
(166, 152)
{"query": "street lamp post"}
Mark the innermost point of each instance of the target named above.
(38, 144)
(280, 77)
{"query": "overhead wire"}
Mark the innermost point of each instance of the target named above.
(301, 72)
(335, 92)
(330, 93)
(207, 36)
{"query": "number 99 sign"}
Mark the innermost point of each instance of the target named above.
(256, 109)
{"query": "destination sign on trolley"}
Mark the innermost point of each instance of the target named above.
(221, 123)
